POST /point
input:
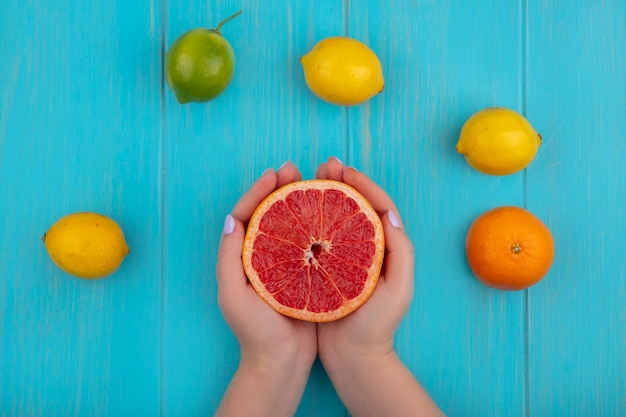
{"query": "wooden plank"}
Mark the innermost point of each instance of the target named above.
(87, 124)
(214, 152)
(577, 97)
(442, 62)
(79, 130)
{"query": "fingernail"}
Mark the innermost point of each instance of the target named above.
(285, 164)
(229, 224)
(336, 159)
(393, 219)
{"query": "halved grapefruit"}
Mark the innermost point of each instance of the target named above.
(313, 250)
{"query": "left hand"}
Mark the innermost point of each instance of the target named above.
(265, 336)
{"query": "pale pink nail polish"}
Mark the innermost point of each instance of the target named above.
(284, 165)
(393, 219)
(336, 159)
(229, 224)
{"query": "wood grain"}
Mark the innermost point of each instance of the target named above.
(87, 123)
(214, 152)
(79, 130)
(446, 67)
(576, 94)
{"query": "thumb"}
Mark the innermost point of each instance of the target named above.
(231, 277)
(399, 258)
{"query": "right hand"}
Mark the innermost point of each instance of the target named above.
(370, 329)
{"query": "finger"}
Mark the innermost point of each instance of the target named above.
(377, 197)
(251, 199)
(399, 257)
(334, 169)
(231, 278)
(287, 173)
(321, 174)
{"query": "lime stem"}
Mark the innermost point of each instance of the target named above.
(228, 19)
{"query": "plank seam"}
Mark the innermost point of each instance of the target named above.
(347, 113)
(524, 105)
(163, 209)
(349, 148)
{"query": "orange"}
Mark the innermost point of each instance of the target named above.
(313, 250)
(509, 248)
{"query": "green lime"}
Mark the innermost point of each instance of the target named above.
(200, 64)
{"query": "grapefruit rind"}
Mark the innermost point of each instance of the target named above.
(373, 271)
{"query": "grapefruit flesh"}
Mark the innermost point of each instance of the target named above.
(313, 250)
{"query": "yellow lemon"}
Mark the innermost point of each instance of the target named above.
(498, 141)
(343, 71)
(87, 245)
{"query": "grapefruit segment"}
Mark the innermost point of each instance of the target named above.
(360, 255)
(294, 293)
(350, 280)
(323, 296)
(281, 223)
(306, 209)
(313, 250)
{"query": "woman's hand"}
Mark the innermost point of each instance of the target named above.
(371, 328)
(357, 351)
(277, 352)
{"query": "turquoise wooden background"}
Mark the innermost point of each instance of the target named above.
(86, 123)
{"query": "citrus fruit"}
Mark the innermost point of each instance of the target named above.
(498, 141)
(343, 71)
(509, 248)
(200, 64)
(87, 245)
(313, 250)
